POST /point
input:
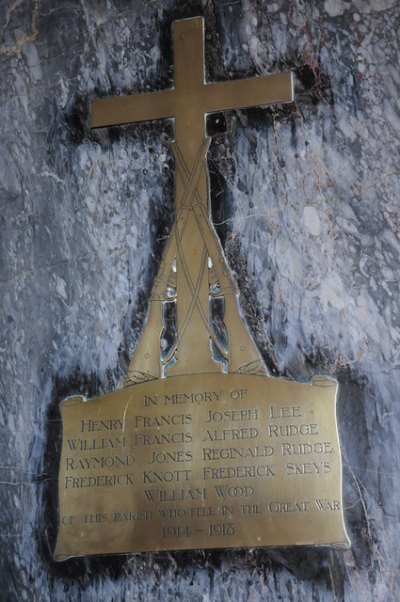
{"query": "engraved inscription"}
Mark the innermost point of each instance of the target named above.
(202, 468)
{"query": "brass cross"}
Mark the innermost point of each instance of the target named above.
(193, 243)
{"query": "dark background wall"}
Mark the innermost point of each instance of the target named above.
(308, 201)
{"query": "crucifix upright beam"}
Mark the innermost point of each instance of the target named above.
(188, 103)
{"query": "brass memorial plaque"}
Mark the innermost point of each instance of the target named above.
(201, 448)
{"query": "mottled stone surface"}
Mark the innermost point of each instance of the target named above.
(308, 201)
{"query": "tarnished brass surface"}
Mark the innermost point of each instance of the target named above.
(201, 461)
(201, 448)
(193, 243)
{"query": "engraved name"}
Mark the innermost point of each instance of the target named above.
(285, 412)
(298, 449)
(98, 481)
(158, 421)
(232, 453)
(101, 425)
(95, 462)
(170, 457)
(307, 468)
(162, 439)
(238, 472)
(230, 434)
(93, 444)
(291, 430)
(151, 476)
(175, 495)
(232, 415)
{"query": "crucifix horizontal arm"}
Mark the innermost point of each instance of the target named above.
(212, 98)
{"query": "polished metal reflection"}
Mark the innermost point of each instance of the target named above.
(184, 455)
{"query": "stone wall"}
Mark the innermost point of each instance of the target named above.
(307, 201)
